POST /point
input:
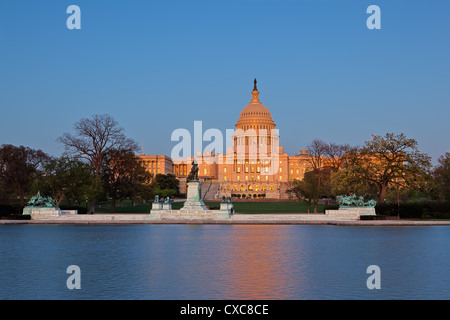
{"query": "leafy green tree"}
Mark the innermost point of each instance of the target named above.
(167, 181)
(399, 195)
(146, 191)
(441, 176)
(345, 182)
(93, 192)
(389, 161)
(307, 189)
(19, 166)
(124, 176)
(64, 179)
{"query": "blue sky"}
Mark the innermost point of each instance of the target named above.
(156, 66)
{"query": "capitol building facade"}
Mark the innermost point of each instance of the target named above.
(255, 166)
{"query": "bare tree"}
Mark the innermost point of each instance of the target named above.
(94, 139)
(317, 151)
(335, 153)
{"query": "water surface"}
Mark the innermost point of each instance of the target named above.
(223, 261)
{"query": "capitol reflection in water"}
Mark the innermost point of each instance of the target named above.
(223, 261)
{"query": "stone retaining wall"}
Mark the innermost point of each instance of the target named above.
(202, 215)
(191, 215)
(343, 214)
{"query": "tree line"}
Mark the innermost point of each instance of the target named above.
(388, 167)
(98, 163)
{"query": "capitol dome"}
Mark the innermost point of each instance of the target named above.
(255, 115)
(255, 111)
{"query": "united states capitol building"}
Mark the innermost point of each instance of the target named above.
(255, 164)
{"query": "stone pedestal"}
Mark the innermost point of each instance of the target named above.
(362, 211)
(194, 197)
(350, 213)
(227, 207)
(156, 206)
(42, 213)
(167, 206)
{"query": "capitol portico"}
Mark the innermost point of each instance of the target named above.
(254, 166)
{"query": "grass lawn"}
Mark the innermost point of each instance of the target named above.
(239, 207)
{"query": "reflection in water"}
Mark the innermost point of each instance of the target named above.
(223, 262)
(258, 263)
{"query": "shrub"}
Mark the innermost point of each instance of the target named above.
(6, 210)
(81, 210)
(331, 207)
(163, 193)
(15, 217)
(436, 215)
(418, 210)
(378, 217)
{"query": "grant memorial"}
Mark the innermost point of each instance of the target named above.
(44, 208)
(352, 207)
(194, 208)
